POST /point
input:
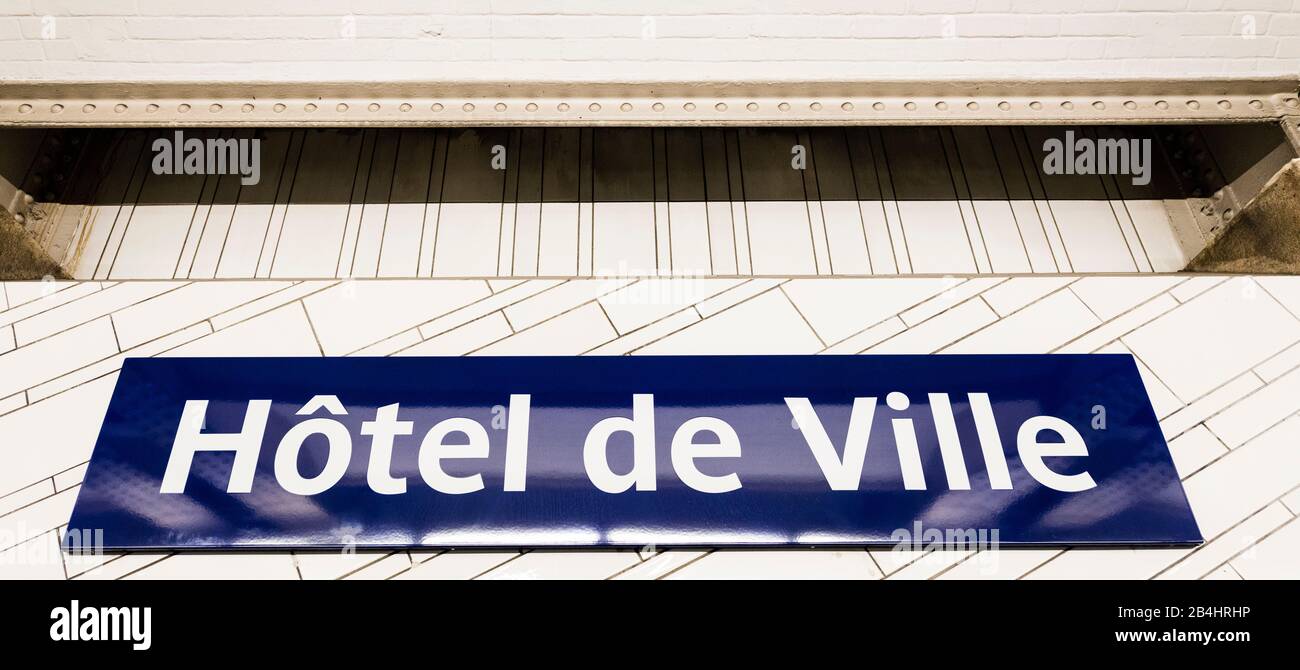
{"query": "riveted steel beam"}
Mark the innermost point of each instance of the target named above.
(334, 104)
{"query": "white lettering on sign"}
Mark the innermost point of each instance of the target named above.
(702, 438)
(595, 452)
(190, 439)
(382, 431)
(686, 450)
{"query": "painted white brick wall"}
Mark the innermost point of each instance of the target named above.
(570, 40)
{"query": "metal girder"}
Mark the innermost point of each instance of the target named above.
(299, 104)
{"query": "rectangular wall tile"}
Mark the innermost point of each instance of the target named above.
(53, 356)
(1233, 312)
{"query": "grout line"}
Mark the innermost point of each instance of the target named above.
(804, 139)
(744, 201)
(234, 210)
(683, 565)
(1006, 191)
(439, 140)
(471, 304)
(51, 308)
(607, 319)
(1100, 321)
(78, 324)
(886, 176)
(1107, 322)
(1001, 318)
(517, 556)
(1220, 410)
(369, 139)
(781, 288)
(702, 317)
(549, 319)
(965, 177)
(1244, 519)
(164, 335)
(1253, 279)
(292, 176)
(388, 208)
(513, 152)
(871, 557)
(310, 326)
(144, 183)
(1033, 199)
(952, 179)
(541, 206)
(380, 554)
(126, 195)
(1230, 450)
(111, 153)
(668, 204)
(1137, 232)
(30, 504)
(476, 319)
(1091, 133)
(857, 194)
(654, 204)
(577, 233)
(898, 315)
(1047, 200)
(230, 221)
(145, 567)
(194, 215)
(973, 555)
(704, 189)
(1038, 567)
(643, 327)
(442, 200)
(591, 259)
(117, 342)
(288, 203)
(731, 199)
(1231, 569)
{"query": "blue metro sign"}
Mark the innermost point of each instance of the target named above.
(630, 451)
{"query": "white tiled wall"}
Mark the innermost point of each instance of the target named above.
(362, 40)
(1225, 394)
